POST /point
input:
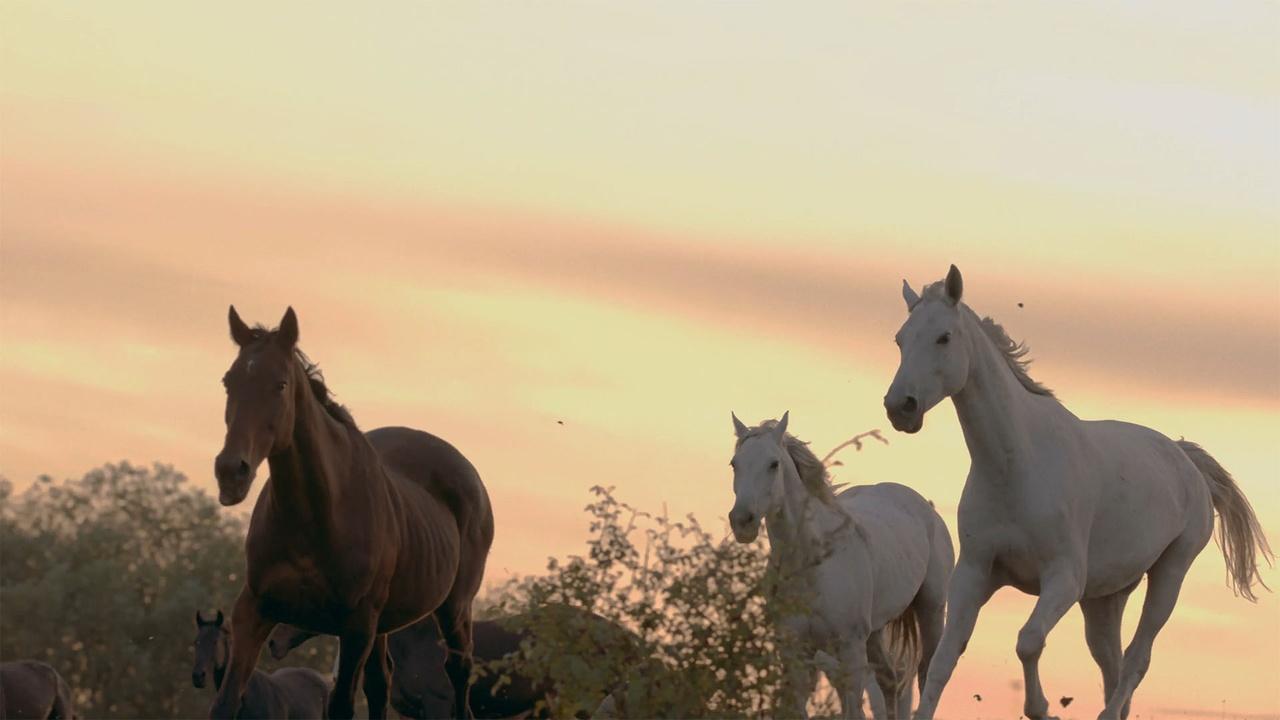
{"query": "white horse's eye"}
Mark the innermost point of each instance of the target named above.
(945, 338)
(773, 465)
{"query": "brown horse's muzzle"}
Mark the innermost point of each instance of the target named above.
(235, 476)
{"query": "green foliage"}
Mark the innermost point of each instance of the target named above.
(101, 577)
(695, 639)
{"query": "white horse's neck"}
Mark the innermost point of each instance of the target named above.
(992, 407)
(798, 529)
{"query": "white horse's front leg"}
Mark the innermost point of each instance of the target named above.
(855, 670)
(1058, 592)
(970, 589)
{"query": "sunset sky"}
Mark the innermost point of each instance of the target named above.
(636, 218)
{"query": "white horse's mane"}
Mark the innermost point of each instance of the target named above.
(813, 474)
(1014, 352)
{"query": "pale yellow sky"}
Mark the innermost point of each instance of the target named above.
(637, 218)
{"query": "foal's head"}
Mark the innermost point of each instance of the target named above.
(935, 353)
(211, 646)
(260, 403)
(758, 464)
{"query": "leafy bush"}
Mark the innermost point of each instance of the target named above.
(100, 577)
(696, 638)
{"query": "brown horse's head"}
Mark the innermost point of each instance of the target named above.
(211, 646)
(260, 404)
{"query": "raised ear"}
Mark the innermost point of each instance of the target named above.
(218, 620)
(738, 428)
(287, 335)
(199, 619)
(909, 295)
(955, 285)
(781, 428)
(239, 331)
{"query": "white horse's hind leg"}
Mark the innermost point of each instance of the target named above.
(1164, 582)
(1102, 618)
(1058, 592)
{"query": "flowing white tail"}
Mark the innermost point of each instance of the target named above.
(1239, 534)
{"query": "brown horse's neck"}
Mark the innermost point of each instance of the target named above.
(306, 477)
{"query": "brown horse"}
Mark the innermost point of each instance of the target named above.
(30, 689)
(287, 693)
(354, 534)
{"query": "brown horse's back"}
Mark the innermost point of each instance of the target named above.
(286, 694)
(32, 689)
(432, 464)
(306, 692)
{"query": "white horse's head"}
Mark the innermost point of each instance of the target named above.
(935, 353)
(758, 464)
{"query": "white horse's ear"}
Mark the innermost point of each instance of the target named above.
(909, 295)
(955, 285)
(781, 428)
(738, 428)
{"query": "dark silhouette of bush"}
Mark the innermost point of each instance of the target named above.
(101, 577)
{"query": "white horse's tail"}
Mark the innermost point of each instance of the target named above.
(1239, 534)
(901, 639)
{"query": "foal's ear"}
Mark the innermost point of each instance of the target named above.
(218, 620)
(239, 331)
(955, 285)
(909, 295)
(738, 428)
(287, 335)
(781, 428)
(199, 619)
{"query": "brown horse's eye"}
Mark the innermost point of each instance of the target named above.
(280, 386)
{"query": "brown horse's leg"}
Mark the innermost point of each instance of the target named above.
(356, 642)
(454, 617)
(249, 630)
(377, 679)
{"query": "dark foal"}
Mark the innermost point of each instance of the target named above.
(293, 693)
(32, 690)
(354, 534)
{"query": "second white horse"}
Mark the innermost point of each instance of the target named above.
(872, 561)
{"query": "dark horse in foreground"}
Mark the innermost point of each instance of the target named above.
(30, 689)
(286, 694)
(420, 688)
(355, 535)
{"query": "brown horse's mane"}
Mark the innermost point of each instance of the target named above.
(315, 377)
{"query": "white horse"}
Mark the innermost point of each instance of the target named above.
(1072, 511)
(867, 569)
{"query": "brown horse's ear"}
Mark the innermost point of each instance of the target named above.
(955, 285)
(287, 335)
(239, 331)
(218, 620)
(199, 619)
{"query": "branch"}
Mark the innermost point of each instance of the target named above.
(855, 441)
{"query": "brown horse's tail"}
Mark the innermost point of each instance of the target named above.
(901, 639)
(1239, 534)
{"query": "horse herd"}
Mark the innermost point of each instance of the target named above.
(381, 539)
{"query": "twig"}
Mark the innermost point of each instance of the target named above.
(855, 441)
